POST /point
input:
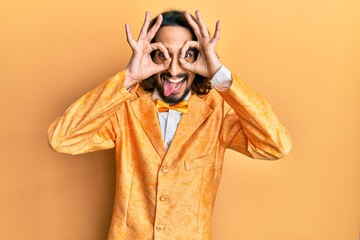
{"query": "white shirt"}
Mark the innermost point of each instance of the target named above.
(169, 121)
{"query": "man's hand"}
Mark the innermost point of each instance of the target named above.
(207, 63)
(141, 66)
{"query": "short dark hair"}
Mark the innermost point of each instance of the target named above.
(201, 85)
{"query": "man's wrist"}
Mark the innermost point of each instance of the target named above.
(215, 69)
(129, 82)
(222, 80)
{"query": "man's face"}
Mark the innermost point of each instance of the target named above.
(174, 83)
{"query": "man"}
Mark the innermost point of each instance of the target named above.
(170, 116)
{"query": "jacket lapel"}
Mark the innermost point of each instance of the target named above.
(145, 112)
(198, 111)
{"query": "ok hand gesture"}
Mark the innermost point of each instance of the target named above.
(207, 63)
(141, 66)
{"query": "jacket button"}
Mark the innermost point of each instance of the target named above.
(159, 227)
(163, 198)
(165, 169)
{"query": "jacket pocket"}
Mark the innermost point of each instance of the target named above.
(199, 162)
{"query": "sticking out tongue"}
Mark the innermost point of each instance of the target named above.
(170, 87)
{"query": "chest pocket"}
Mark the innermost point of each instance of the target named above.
(199, 162)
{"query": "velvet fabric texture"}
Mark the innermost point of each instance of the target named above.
(168, 194)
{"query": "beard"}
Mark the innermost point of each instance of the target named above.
(172, 98)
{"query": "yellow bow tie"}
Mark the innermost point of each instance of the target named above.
(164, 107)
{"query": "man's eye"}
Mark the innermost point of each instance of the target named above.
(160, 55)
(188, 55)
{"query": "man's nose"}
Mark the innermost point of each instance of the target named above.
(175, 67)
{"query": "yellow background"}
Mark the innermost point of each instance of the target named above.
(303, 56)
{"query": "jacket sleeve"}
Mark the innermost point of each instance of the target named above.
(250, 125)
(90, 124)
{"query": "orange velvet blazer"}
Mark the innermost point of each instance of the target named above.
(168, 194)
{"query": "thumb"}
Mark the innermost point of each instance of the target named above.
(165, 65)
(186, 65)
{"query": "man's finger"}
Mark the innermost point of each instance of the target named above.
(162, 66)
(145, 26)
(186, 65)
(193, 24)
(187, 45)
(151, 34)
(165, 65)
(202, 26)
(161, 47)
(216, 36)
(129, 37)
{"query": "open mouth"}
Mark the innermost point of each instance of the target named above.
(173, 85)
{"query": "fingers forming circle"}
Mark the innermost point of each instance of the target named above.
(187, 45)
(159, 46)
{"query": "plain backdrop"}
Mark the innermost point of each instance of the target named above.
(303, 56)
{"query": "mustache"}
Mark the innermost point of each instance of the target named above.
(168, 75)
